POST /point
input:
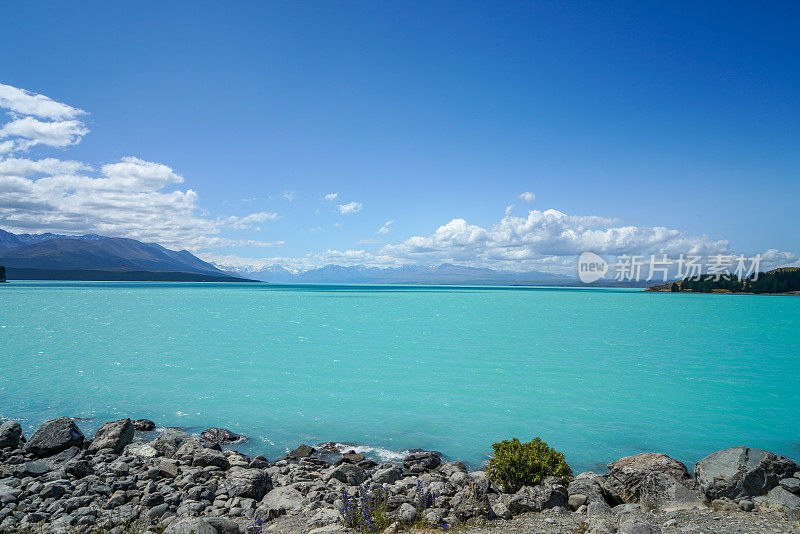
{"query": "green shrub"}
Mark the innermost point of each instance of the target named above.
(518, 464)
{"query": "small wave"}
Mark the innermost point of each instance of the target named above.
(380, 453)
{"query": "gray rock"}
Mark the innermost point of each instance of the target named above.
(284, 498)
(791, 484)
(637, 526)
(170, 441)
(220, 435)
(598, 508)
(350, 474)
(303, 451)
(589, 486)
(538, 498)
(388, 475)
(145, 450)
(78, 468)
(31, 469)
(11, 435)
(193, 453)
(323, 517)
(405, 513)
(626, 475)
(602, 525)
(627, 508)
(660, 491)
(576, 500)
(472, 501)
(741, 472)
(203, 525)
(420, 462)
(54, 436)
(780, 499)
(245, 482)
(113, 435)
(501, 510)
(143, 425)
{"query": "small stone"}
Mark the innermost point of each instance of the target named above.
(576, 501)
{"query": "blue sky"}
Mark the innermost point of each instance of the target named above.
(673, 126)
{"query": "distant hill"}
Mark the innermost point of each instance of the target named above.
(61, 255)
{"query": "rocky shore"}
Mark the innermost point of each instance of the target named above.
(59, 481)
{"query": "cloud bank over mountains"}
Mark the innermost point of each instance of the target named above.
(146, 200)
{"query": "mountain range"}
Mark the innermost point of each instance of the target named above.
(90, 256)
(445, 273)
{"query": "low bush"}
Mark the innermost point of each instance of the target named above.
(518, 464)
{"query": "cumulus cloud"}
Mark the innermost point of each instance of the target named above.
(385, 228)
(527, 196)
(288, 195)
(330, 197)
(131, 197)
(547, 233)
(351, 207)
(37, 120)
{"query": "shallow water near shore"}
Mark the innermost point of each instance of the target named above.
(597, 373)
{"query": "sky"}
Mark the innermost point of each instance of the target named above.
(505, 135)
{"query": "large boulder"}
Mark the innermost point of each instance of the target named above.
(741, 472)
(11, 435)
(220, 435)
(536, 498)
(114, 435)
(627, 474)
(660, 491)
(170, 441)
(421, 461)
(54, 436)
(249, 483)
(472, 501)
(780, 499)
(282, 499)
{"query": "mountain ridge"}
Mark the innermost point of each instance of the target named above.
(93, 252)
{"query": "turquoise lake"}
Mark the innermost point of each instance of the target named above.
(597, 373)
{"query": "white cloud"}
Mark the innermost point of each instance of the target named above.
(385, 228)
(248, 220)
(526, 241)
(27, 103)
(27, 132)
(352, 207)
(288, 195)
(331, 196)
(527, 196)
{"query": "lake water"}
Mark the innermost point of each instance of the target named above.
(597, 373)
